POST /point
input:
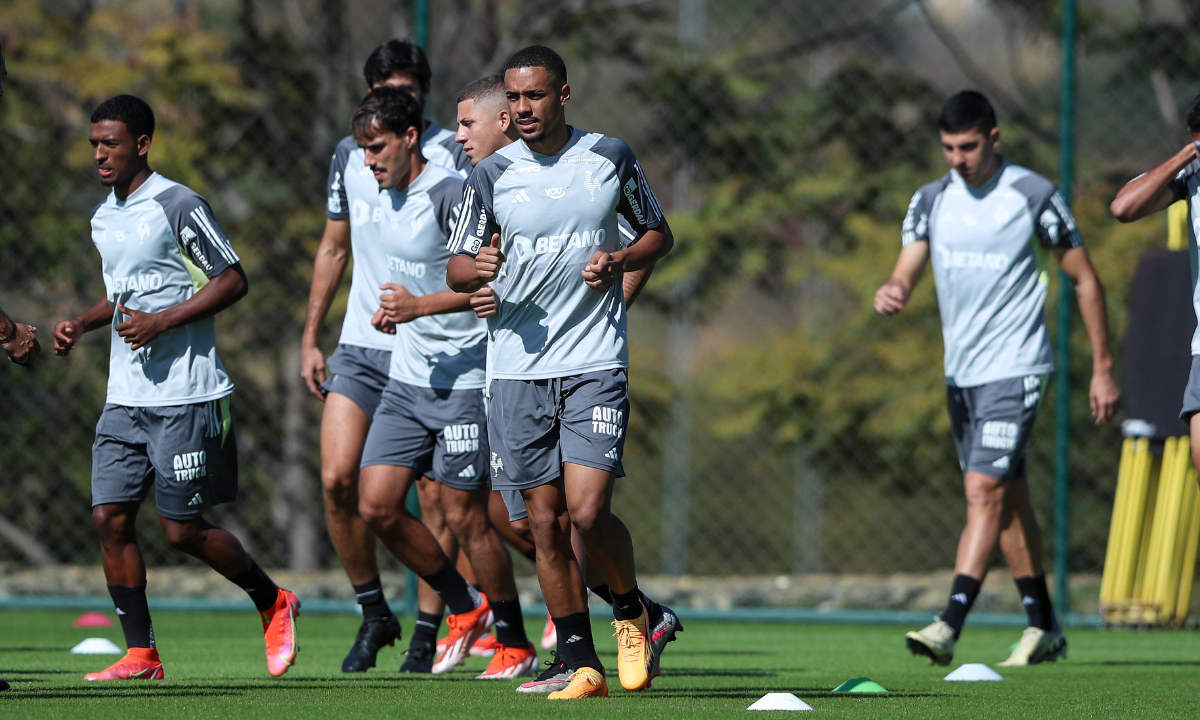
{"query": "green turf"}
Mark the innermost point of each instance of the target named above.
(215, 668)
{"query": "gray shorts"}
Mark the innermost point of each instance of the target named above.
(1191, 394)
(537, 425)
(187, 452)
(515, 504)
(992, 423)
(360, 374)
(442, 434)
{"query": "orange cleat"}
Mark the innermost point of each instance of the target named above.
(510, 663)
(138, 664)
(279, 631)
(485, 646)
(584, 683)
(465, 629)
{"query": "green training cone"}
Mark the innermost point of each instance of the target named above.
(860, 685)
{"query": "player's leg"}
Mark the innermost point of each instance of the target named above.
(513, 530)
(421, 654)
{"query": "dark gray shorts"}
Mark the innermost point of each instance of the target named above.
(360, 374)
(515, 504)
(537, 425)
(992, 423)
(187, 452)
(442, 434)
(1191, 394)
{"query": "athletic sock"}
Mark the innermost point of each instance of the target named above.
(627, 606)
(259, 586)
(1035, 596)
(576, 648)
(134, 613)
(370, 596)
(510, 625)
(425, 632)
(963, 592)
(603, 592)
(458, 595)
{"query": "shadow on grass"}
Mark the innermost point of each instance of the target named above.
(1136, 663)
(34, 649)
(803, 693)
(708, 672)
(722, 653)
(88, 693)
(14, 671)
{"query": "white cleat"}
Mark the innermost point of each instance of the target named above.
(1037, 646)
(935, 641)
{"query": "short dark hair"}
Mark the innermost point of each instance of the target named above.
(539, 56)
(397, 56)
(485, 88)
(967, 110)
(1193, 116)
(131, 110)
(386, 108)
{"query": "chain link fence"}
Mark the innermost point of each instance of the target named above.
(779, 425)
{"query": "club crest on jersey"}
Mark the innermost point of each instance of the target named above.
(591, 184)
(143, 232)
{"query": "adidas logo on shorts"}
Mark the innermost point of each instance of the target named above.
(1002, 463)
(612, 454)
(195, 501)
(468, 471)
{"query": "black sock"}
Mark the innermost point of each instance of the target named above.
(370, 596)
(455, 592)
(510, 626)
(963, 592)
(627, 606)
(134, 613)
(261, 588)
(531, 553)
(425, 633)
(576, 648)
(601, 591)
(1035, 596)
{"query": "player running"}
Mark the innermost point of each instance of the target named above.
(557, 348)
(986, 225)
(168, 269)
(358, 370)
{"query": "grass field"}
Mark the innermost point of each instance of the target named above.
(215, 668)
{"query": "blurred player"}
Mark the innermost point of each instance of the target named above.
(557, 348)
(987, 226)
(358, 370)
(168, 269)
(17, 340)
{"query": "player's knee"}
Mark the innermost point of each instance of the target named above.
(112, 521)
(376, 511)
(338, 484)
(590, 517)
(522, 529)
(181, 535)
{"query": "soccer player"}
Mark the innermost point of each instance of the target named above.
(557, 347)
(168, 269)
(357, 372)
(987, 226)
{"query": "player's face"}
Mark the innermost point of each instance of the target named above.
(482, 129)
(407, 83)
(971, 153)
(118, 154)
(390, 156)
(536, 102)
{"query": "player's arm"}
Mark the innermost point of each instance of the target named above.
(475, 256)
(401, 306)
(893, 295)
(18, 340)
(632, 283)
(1154, 191)
(141, 328)
(1103, 393)
(68, 332)
(332, 256)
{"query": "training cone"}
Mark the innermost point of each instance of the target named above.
(860, 685)
(973, 672)
(96, 646)
(93, 619)
(779, 701)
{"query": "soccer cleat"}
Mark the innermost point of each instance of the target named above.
(549, 634)
(465, 629)
(485, 646)
(584, 683)
(418, 659)
(1037, 646)
(279, 631)
(555, 677)
(510, 663)
(935, 641)
(138, 664)
(665, 623)
(373, 634)
(635, 657)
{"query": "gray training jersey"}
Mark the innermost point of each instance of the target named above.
(990, 272)
(1186, 186)
(553, 212)
(446, 351)
(354, 195)
(159, 246)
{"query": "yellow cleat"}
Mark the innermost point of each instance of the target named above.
(634, 656)
(584, 683)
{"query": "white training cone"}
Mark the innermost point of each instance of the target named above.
(779, 701)
(96, 646)
(973, 672)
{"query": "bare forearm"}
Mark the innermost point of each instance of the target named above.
(634, 282)
(7, 327)
(327, 275)
(650, 247)
(220, 292)
(97, 316)
(1095, 319)
(461, 275)
(1148, 194)
(446, 301)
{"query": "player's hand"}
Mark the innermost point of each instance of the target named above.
(313, 369)
(398, 304)
(66, 334)
(380, 322)
(602, 271)
(24, 348)
(489, 259)
(890, 299)
(483, 302)
(140, 328)
(1104, 396)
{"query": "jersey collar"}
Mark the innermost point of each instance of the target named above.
(576, 134)
(143, 190)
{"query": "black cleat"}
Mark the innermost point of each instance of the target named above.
(4, 685)
(372, 636)
(418, 659)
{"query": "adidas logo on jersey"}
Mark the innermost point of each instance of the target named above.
(522, 197)
(1002, 463)
(612, 454)
(195, 501)
(468, 471)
